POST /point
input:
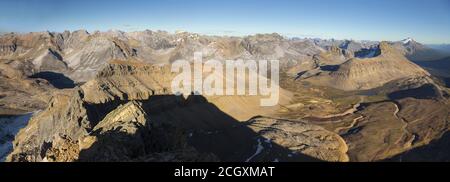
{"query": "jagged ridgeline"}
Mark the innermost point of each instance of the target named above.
(106, 96)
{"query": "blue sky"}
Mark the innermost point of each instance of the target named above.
(427, 21)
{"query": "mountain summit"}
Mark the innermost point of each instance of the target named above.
(408, 40)
(368, 73)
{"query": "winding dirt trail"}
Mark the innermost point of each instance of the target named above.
(404, 128)
(403, 139)
(354, 122)
(334, 117)
(348, 111)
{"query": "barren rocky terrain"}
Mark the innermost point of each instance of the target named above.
(106, 96)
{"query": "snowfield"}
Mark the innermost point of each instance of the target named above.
(9, 127)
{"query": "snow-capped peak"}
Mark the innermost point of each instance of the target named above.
(407, 40)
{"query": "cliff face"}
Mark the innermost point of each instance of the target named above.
(128, 80)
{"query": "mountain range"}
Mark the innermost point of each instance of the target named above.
(106, 96)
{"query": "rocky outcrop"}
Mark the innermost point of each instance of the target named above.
(7, 49)
(92, 57)
(73, 114)
(49, 60)
(351, 46)
(333, 56)
(25, 46)
(302, 138)
(128, 80)
(124, 134)
(47, 126)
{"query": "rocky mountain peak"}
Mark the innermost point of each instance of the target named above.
(408, 40)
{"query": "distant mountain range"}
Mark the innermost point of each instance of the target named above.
(78, 53)
(440, 47)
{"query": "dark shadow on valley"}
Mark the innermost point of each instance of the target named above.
(58, 80)
(174, 124)
(435, 151)
(443, 64)
(442, 67)
(446, 82)
(329, 67)
(426, 91)
(300, 74)
(367, 53)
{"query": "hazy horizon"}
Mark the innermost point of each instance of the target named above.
(428, 23)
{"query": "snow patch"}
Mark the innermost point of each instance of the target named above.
(9, 127)
(407, 40)
(259, 149)
(268, 141)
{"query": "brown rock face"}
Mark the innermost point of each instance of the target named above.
(128, 80)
